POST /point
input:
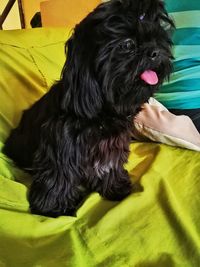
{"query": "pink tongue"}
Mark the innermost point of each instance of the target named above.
(150, 77)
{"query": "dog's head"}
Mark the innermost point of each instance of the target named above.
(117, 57)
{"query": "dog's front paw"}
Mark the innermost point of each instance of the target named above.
(50, 212)
(115, 186)
(118, 191)
(39, 205)
(48, 202)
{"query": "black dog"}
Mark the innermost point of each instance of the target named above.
(75, 139)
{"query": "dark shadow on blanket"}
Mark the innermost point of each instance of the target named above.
(147, 152)
(165, 260)
(182, 233)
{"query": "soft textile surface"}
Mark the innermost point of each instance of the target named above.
(183, 89)
(154, 122)
(159, 226)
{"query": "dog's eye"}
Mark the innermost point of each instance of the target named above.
(127, 46)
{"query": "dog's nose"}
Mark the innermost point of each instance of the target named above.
(153, 54)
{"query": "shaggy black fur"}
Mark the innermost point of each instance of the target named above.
(75, 139)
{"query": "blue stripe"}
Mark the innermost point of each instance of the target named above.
(182, 5)
(186, 63)
(181, 86)
(183, 90)
(189, 100)
(187, 36)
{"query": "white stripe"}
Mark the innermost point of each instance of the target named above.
(186, 19)
(186, 51)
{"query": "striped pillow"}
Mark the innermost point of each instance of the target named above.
(183, 89)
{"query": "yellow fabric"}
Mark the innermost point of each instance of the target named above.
(156, 227)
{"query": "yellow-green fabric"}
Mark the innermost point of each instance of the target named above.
(156, 227)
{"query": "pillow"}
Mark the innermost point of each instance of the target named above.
(154, 122)
(183, 89)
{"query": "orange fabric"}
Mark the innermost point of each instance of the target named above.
(65, 12)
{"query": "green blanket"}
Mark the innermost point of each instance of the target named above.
(157, 226)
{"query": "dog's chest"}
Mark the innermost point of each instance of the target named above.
(111, 153)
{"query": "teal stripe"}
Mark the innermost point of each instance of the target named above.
(181, 86)
(186, 63)
(186, 19)
(187, 36)
(188, 73)
(188, 100)
(182, 5)
(183, 89)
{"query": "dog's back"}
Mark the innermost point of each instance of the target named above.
(24, 140)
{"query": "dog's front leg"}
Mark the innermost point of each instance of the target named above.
(55, 189)
(51, 194)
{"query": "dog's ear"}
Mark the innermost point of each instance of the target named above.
(82, 94)
(166, 21)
